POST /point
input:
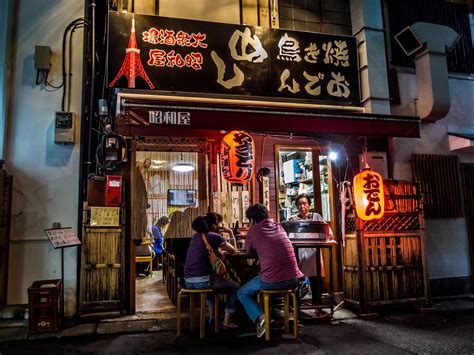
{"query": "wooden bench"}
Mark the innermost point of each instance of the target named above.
(146, 259)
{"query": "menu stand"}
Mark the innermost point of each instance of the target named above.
(61, 238)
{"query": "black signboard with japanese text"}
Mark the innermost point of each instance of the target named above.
(158, 53)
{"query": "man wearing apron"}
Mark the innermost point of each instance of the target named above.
(307, 256)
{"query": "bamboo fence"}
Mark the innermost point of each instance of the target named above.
(384, 261)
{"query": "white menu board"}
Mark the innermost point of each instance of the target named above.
(62, 237)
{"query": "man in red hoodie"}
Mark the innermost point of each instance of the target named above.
(278, 265)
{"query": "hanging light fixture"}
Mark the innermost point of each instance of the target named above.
(182, 167)
(237, 157)
(368, 192)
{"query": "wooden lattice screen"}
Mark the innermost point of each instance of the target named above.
(439, 179)
(384, 260)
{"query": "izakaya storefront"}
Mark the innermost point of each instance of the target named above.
(182, 86)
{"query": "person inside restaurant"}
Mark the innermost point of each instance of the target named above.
(197, 270)
(278, 266)
(157, 231)
(215, 222)
(307, 256)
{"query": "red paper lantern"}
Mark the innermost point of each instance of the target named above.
(237, 157)
(369, 195)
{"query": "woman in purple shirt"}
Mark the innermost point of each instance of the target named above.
(197, 270)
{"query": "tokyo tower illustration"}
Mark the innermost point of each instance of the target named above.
(132, 65)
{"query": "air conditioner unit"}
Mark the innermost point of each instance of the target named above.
(377, 162)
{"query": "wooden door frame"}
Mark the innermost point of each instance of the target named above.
(317, 151)
(468, 216)
(136, 145)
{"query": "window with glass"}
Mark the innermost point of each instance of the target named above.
(325, 16)
(303, 170)
(172, 182)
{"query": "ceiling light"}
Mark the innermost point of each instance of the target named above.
(182, 167)
(333, 155)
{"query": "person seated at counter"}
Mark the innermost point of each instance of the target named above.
(278, 266)
(307, 256)
(215, 223)
(197, 269)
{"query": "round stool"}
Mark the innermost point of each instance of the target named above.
(266, 309)
(202, 312)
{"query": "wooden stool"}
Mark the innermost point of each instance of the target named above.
(266, 309)
(202, 312)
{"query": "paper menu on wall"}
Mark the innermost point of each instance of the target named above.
(235, 206)
(105, 216)
(245, 204)
(266, 192)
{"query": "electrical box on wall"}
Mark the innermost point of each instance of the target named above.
(113, 191)
(42, 57)
(64, 128)
(377, 162)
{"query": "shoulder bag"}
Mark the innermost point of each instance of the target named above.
(217, 264)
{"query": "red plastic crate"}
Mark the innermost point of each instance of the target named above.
(45, 304)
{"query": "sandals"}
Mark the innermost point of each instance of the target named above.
(322, 315)
(231, 326)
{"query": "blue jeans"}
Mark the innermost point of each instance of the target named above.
(220, 285)
(246, 294)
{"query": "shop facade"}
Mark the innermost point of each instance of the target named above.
(167, 115)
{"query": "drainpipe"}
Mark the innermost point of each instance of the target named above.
(430, 44)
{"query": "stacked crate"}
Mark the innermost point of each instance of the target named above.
(384, 261)
(45, 306)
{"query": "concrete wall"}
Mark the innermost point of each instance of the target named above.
(45, 174)
(447, 240)
(227, 11)
(5, 65)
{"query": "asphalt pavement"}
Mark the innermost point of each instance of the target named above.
(447, 330)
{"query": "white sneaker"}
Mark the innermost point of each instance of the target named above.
(260, 328)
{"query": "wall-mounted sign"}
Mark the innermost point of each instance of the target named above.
(225, 208)
(266, 192)
(105, 216)
(235, 205)
(169, 118)
(245, 205)
(151, 52)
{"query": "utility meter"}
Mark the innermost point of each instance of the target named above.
(64, 128)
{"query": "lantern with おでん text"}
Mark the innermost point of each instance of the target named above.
(369, 195)
(237, 157)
